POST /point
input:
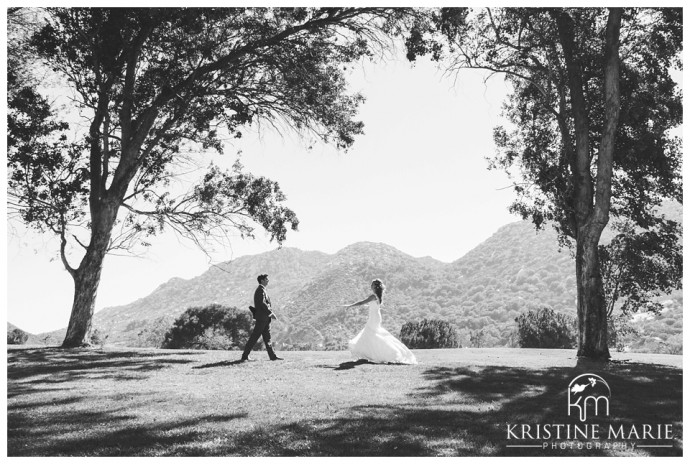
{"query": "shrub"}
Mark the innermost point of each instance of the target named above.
(545, 328)
(477, 338)
(17, 337)
(98, 337)
(213, 327)
(153, 332)
(674, 344)
(429, 333)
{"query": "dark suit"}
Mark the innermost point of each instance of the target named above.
(262, 328)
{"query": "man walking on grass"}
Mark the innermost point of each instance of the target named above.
(263, 315)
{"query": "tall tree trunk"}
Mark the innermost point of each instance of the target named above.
(591, 304)
(592, 311)
(87, 277)
(86, 281)
(592, 198)
(104, 205)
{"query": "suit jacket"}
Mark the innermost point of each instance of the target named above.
(262, 304)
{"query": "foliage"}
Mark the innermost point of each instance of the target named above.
(17, 336)
(38, 155)
(477, 338)
(620, 329)
(21, 57)
(674, 345)
(524, 46)
(658, 333)
(44, 175)
(429, 333)
(152, 333)
(157, 80)
(155, 85)
(213, 327)
(647, 158)
(98, 337)
(545, 328)
(639, 266)
(588, 120)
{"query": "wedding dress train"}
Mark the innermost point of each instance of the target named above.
(377, 344)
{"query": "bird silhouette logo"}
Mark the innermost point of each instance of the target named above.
(588, 394)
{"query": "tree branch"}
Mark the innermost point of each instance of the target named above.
(583, 177)
(63, 245)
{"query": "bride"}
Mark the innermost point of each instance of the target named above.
(374, 342)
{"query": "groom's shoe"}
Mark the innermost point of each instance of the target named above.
(276, 358)
(246, 359)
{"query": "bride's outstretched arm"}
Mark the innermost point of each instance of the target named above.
(364, 301)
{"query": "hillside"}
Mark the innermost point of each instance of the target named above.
(50, 338)
(514, 270)
(231, 283)
(315, 314)
(486, 289)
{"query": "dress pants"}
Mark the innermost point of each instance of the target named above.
(262, 328)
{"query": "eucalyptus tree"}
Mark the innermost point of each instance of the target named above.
(589, 118)
(154, 84)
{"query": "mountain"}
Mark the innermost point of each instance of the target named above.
(315, 314)
(52, 338)
(486, 289)
(231, 283)
(514, 270)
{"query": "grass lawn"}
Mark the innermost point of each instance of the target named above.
(144, 402)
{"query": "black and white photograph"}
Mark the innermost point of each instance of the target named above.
(327, 231)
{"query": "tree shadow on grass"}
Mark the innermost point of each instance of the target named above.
(641, 394)
(110, 434)
(50, 365)
(46, 418)
(457, 411)
(466, 412)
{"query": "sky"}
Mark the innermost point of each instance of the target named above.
(416, 180)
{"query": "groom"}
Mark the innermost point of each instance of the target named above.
(263, 315)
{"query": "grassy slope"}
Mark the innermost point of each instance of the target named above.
(175, 402)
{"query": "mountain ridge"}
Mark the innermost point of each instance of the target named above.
(515, 269)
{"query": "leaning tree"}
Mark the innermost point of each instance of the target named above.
(589, 115)
(153, 85)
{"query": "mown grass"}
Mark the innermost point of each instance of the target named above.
(138, 402)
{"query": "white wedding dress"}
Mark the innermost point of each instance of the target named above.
(377, 344)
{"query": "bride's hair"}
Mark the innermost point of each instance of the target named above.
(378, 289)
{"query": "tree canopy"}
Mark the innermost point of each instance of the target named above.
(589, 118)
(523, 45)
(154, 81)
(155, 85)
(640, 265)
